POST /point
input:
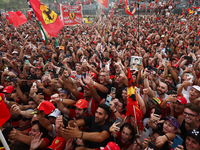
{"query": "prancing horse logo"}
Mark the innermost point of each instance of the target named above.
(72, 15)
(48, 15)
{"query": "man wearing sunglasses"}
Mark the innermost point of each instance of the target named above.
(189, 120)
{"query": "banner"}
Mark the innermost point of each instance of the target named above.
(190, 11)
(104, 3)
(17, 18)
(71, 15)
(49, 19)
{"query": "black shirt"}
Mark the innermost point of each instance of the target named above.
(103, 95)
(118, 89)
(94, 127)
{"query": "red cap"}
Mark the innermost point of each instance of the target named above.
(92, 86)
(111, 146)
(175, 65)
(58, 144)
(46, 106)
(8, 89)
(81, 103)
(182, 100)
(94, 42)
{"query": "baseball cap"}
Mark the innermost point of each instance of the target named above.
(94, 75)
(40, 68)
(111, 146)
(58, 144)
(176, 66)
(63, 91)
(156, 100)
(45, 106)
(14, 52)
(196, 87)
(81, 103)
(94, 42)
(195, 134)
(182, 100)
(55, 113)
(61, 47)
(168, 75)
(9, 78)
(32, 77)
(8, 89)
(173, 121)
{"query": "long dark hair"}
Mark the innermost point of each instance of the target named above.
(41, 128)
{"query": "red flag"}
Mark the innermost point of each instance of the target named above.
(112, 14)
(157, 1)
(8, 19)
(17, 18)
(49, 19)
(104, 3)
(132, 100)
(190, 11)
(77, 2)
(29, 14)
(5, 113)
(127, 9)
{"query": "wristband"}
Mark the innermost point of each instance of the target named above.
(155, 80)
(81, 135)
(170, 69)
(151, 121)
(115, 111)
(33, 95)
(167, 137)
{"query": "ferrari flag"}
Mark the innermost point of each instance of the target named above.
(132, 101)
(127, 9)
(49, 19)
(190, 11)
(17, 18)
(104, 3)
(71, 15)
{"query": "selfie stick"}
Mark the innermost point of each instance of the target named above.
(135, 119)
(4, 141)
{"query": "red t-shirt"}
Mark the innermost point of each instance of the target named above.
(92, 104)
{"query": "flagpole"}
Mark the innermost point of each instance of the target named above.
(4, 141)
(135, 119)
(138, 20)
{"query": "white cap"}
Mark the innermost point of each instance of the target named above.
(196, 87)
(55, 113)
(14, 52)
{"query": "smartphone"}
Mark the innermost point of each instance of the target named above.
(108, 99)
(62, 51)
(34, 84)
(1, 54)
(189, 76)
(154, 71)
(43, 47)
(84, 60)
(158, 44)
(15, 81)
(14, 58)
(61, 70)
(157, 111)
(118, 120)
(40, 90)
(151, 145)
(177, 141)
(113, 90)
(144, 135)
(65, 122)
(76, 77)
(197, 38)
(67, 55)
(27, 62)
(188, 57)
(49, 59)
(84, 75)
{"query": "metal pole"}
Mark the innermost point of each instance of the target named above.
(135, 120)
(4, 141)
(138, 19)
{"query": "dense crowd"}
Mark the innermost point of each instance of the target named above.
(70, 92)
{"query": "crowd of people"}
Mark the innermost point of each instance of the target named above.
(70, 92)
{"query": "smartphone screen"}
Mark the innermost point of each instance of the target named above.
(65, 122)
(108, 99)
(113, 90)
